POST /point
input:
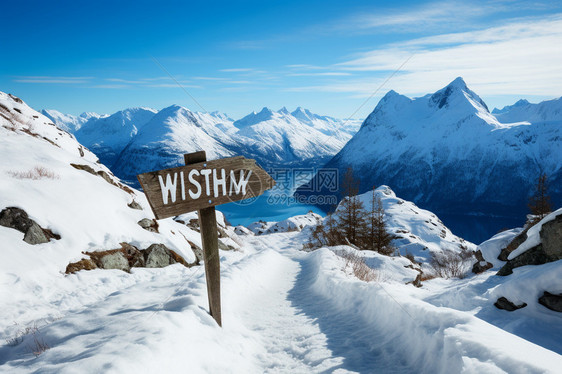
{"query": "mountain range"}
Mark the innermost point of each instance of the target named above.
(137, 140)
(448, 153)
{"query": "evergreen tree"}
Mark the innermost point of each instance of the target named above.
(352, 216)
(539, 202)
(378, 239)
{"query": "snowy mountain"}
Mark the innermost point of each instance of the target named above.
(549, 111)
(107, 136)
(279, 138)
(170, 134)
(68, 122)
(327, 125)
(417, 231)
(277, 299)
(448, 153)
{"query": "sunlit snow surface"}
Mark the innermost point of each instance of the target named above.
(284, 310)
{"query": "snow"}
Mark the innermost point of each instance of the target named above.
(492, 247)
(419, 232)
(68, 122)
(284, 310)
(446, 152)
(533, 235)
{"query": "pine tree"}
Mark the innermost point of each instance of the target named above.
(539, 202)
(352, 214)
(378, 239)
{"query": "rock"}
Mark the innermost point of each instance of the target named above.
(134, 205)
(129, 256)
(18, 219)
(516, 242)
(549, 249)
(116, 260)
(158, 256)
(84, 264)
(551, 238)
(104, 175)
(149, 224)
(197, 251)
(482, 265)
(15, 218)
(111, 259)
(35, 235)
(551, 301)
(133, 255)
(505, 304)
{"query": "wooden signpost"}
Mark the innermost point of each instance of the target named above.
(201, 185)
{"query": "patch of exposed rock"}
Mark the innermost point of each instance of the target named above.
(551, 301)
(149, 224)
(101, 173)
(129, 256)
(505, 304)
(18, 219)
(482, 265)
(134, 205)
(548, 250)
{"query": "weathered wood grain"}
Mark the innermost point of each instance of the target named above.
(258, 182)
(210, 241)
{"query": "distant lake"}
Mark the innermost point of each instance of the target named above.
(267, 207)
(475, 229)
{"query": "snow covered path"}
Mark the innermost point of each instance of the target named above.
(284, 311)
(301, 332)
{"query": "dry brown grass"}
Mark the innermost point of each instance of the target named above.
(37, 345)
(38, 172)
(358, 267)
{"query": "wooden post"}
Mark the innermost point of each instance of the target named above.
(210, 241)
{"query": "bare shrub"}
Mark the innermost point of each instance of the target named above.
(358, 267)
(450, 264)
(38, 172)
(36, 346)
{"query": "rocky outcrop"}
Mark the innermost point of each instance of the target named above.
(149, 224)
(548, 250)
(134, 205)
(505, 304)
(516, 242)
(127, 257)
(18, 219)
(482, 265)
(101, 173)
(551, 301)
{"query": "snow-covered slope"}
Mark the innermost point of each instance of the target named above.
(86, 210)
(284, 310)
(68, 122)
(107, 136)
(417, 231)
(169, 134)
(524, 111)
(280, 138)
(327, 125)
(448, 153)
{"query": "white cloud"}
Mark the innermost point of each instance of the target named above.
(52, 79)
(519, 58)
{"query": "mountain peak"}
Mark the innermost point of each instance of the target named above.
(283, 111)
(459, 83)
(456, 92)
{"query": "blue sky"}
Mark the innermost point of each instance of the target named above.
(235, 57)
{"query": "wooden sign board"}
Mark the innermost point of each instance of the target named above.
(174, 191)
(200, 185)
